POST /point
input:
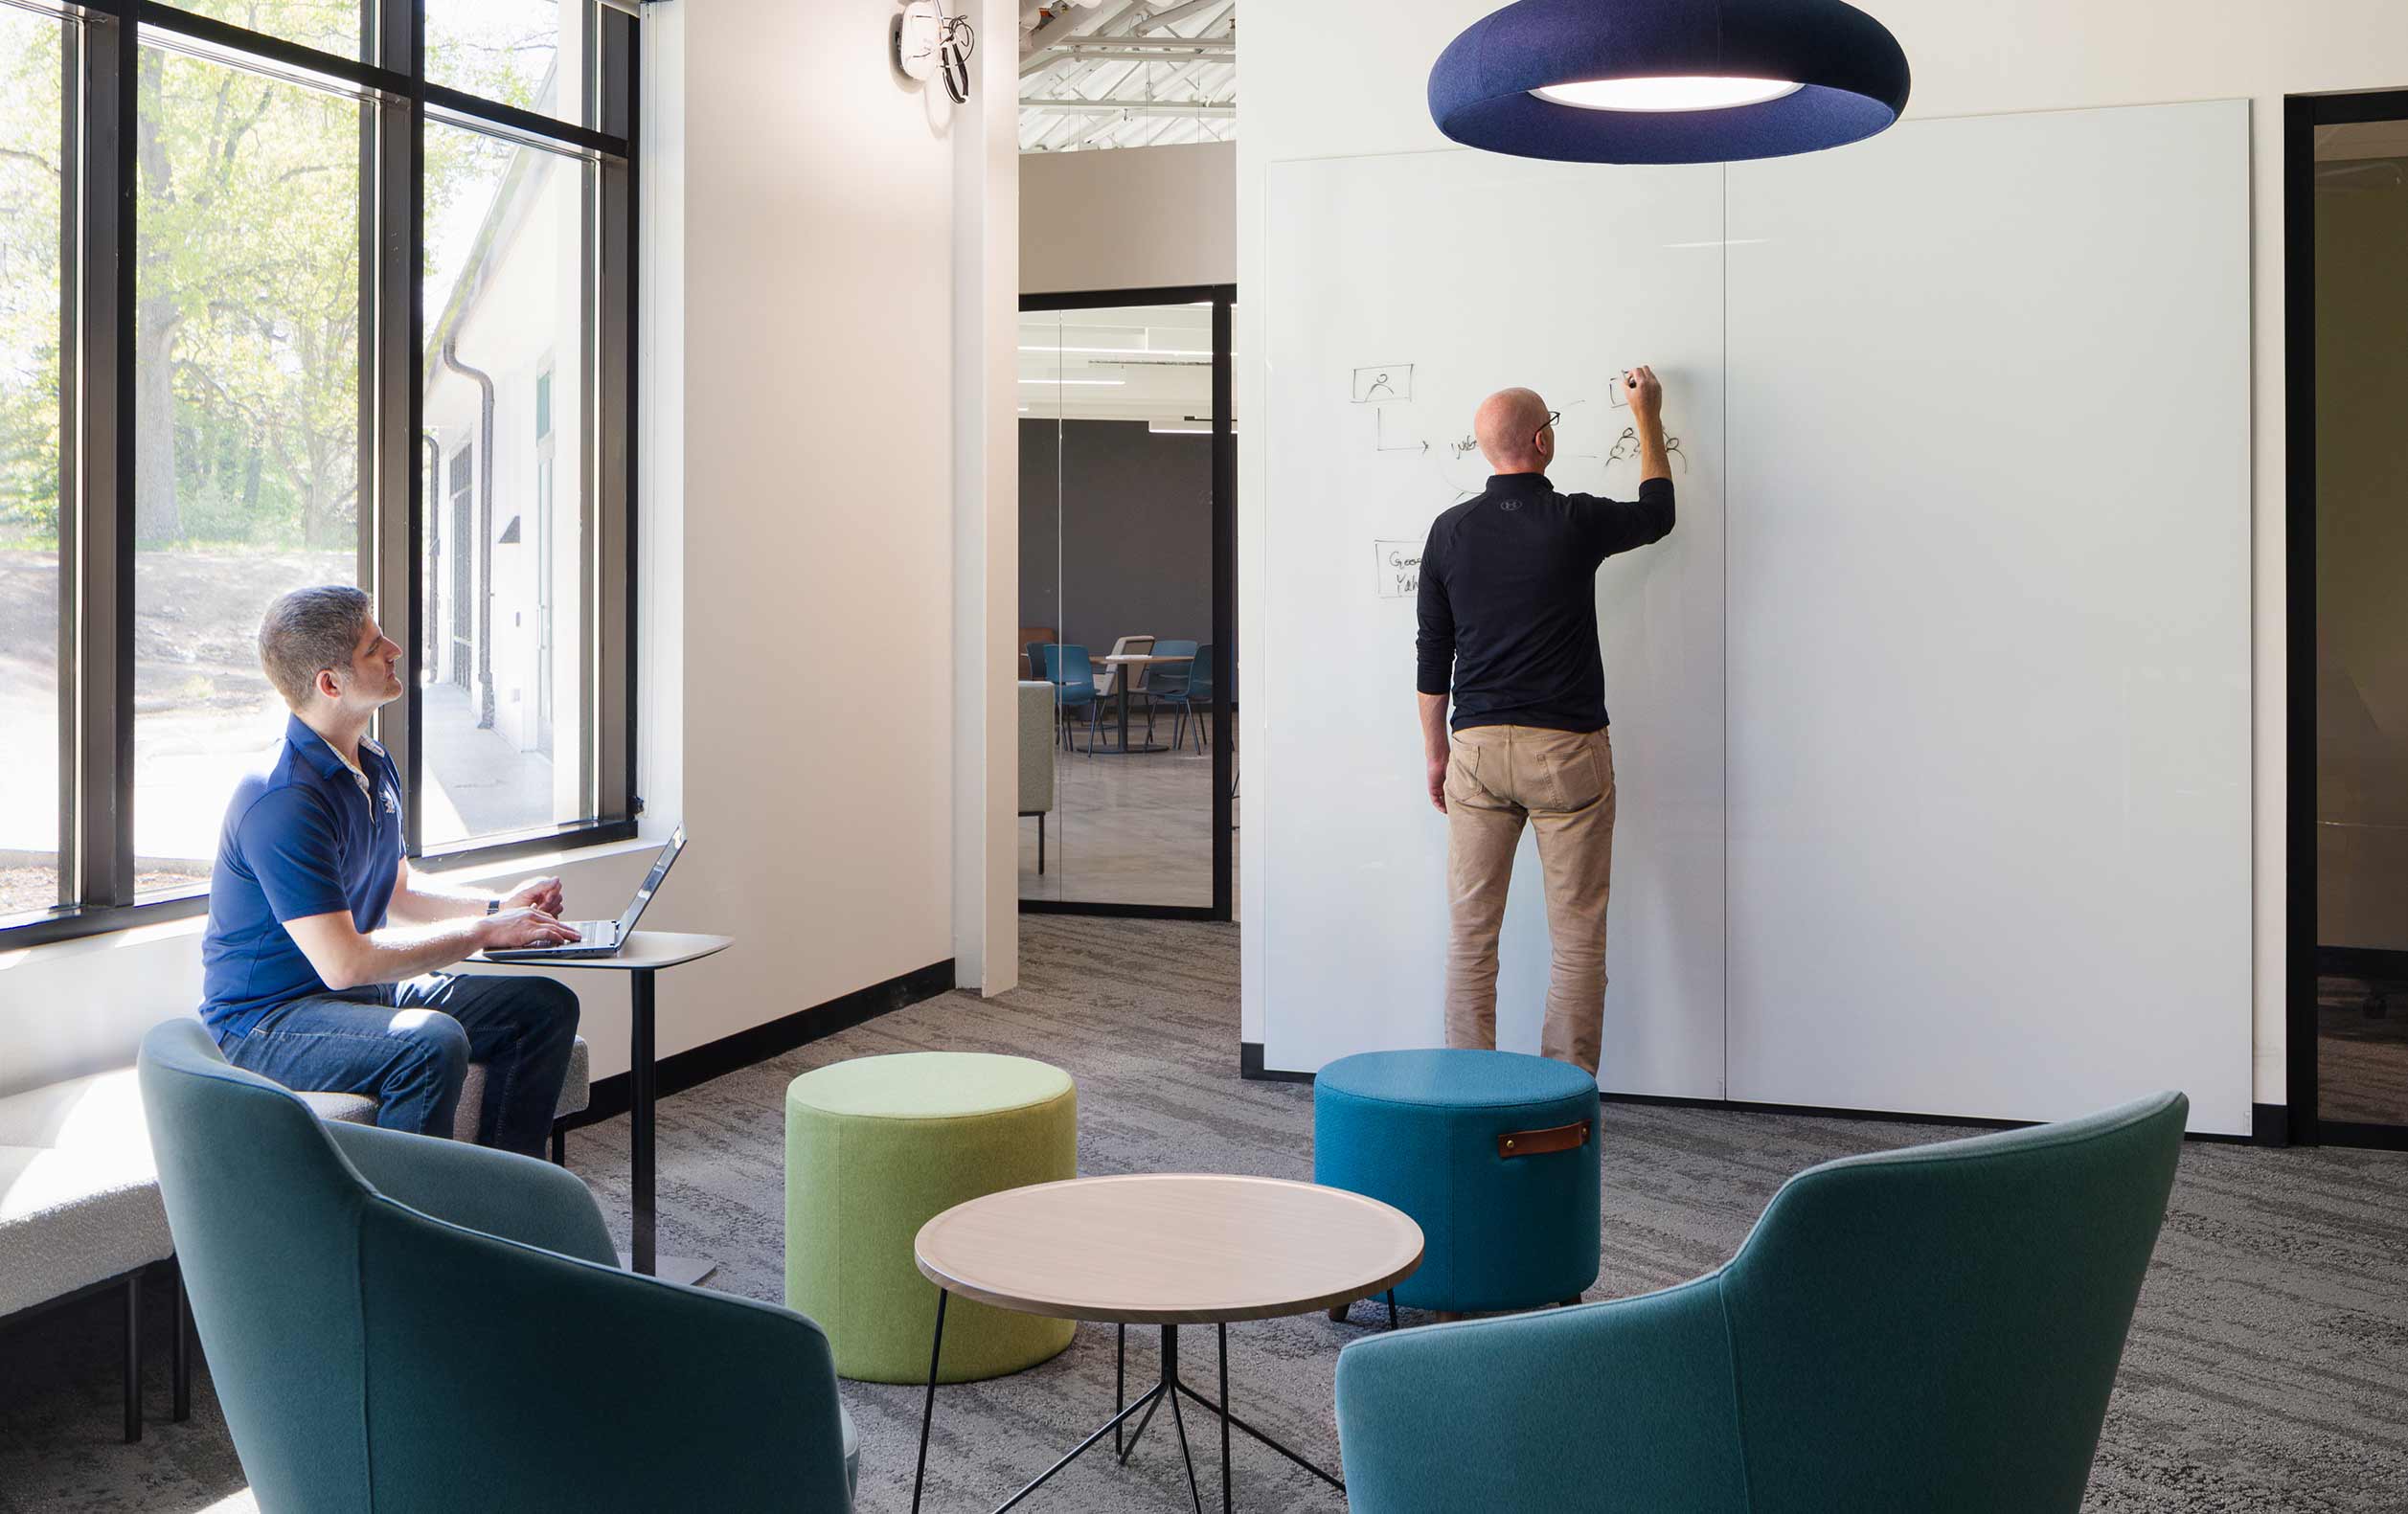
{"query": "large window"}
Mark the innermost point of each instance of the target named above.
(278, 308)
(33, 344)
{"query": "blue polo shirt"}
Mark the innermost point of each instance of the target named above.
(304, 836)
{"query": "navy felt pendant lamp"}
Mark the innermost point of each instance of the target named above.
(1668, 81)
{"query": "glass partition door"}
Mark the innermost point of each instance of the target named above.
(1125, 519)
(2348, 222)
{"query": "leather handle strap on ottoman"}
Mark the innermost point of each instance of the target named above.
(1538, 1142)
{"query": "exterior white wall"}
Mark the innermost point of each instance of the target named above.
(1129, 217)
(524, 320)
(2044, 54)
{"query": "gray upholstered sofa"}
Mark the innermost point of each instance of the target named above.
(1036, 759)
(80, 1211)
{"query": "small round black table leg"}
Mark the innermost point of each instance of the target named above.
(1170, 1390)
(1119, 1377)
(1226, 1496)
(928, 1414)
(1391, 1308)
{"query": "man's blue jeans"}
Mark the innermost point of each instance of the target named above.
(408, 1046)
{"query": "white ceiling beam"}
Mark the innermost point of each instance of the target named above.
(1102, 55)
(1198, 109)
(1147, 47)
(1178, 13)
(1127, 14)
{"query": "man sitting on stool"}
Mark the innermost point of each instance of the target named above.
(307, 984)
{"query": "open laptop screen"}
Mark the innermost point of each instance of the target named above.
(652, 882)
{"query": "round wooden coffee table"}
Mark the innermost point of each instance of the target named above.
(1169, 1250)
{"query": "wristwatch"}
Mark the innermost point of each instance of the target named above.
(493, 906)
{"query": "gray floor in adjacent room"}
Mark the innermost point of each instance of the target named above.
(2267, 1370)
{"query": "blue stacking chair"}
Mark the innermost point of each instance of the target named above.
(1927, 1331)
(1073, 675)
(403, 1323)
(1169, 681)
(1194, 691)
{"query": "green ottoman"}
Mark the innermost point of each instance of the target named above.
(880, 1146)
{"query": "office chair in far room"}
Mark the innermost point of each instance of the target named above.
(1073, 675)
(1927, 1331)
(1170, 682)
(397, 1322)
(1196, 691)
(1108, 681)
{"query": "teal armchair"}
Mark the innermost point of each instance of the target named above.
(399, 1323)
(1926, 1331)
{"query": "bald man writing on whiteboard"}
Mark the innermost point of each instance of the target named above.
(1509, 629)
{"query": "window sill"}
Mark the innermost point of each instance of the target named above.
(186, 915)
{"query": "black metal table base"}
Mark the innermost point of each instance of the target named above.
(1095, 749)
(643, 1092)
(1166, 1389)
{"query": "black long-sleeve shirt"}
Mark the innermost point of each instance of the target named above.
(1509, 600)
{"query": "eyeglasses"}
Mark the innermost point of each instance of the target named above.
(1553, 415)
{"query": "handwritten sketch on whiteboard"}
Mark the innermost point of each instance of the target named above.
(1383, 381)
(1399, 569)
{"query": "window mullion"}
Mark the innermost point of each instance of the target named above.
(612, 770)
(394, 237)
(72, 280)
(103, 655)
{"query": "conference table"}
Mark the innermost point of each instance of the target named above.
(1129, 665)
(1163, 1249)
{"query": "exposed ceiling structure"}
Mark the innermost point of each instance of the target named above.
(1127, 74)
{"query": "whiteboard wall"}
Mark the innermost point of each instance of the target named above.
(1448, 276)
(1989, 618)
(1935, 781)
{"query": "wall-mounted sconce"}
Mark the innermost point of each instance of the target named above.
(928, 45)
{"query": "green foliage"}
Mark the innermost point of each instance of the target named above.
(30, 163)
(248, 329)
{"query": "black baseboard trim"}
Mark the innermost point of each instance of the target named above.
(1203, 913)
(2354, 1133)
(699, 1065)
(1250, 1065)
(2270, 1125)
(2361, 961)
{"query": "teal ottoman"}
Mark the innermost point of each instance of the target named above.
(1493, 1153)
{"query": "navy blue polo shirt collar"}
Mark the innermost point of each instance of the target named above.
(1517, 482)
(323, 760)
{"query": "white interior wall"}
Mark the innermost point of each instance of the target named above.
(987, 517)
(2044, 54)
(1129, 217)
(796, 559)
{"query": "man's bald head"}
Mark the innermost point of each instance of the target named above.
(1507, 426)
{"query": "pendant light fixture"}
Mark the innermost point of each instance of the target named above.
(1668, 81)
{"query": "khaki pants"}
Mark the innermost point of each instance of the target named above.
(1562, 782)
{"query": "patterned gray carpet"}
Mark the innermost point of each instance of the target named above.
(2268, 1370)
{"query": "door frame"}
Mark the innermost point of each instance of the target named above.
(1222, 297)
(2303, 954)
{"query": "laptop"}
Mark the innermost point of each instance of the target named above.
(602, 938)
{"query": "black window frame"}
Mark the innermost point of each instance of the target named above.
(102, 41)
(1223, 299)
(2306, 957)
